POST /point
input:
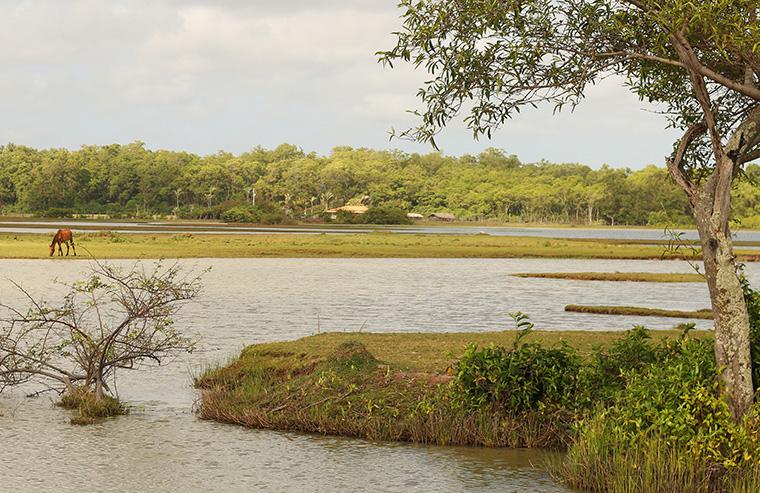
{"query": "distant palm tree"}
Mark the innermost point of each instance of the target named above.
(210, 195)
(325, 198)
(312, 200)
(251, 192)
(178, 193)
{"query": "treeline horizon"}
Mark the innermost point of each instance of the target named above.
(132, 181)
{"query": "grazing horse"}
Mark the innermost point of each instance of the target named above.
(66, 237)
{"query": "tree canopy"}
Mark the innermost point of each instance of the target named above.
(132, 180)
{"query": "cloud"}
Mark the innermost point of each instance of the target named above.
(205, 75)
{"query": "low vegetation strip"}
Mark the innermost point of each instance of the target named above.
(110, 245)
(616, 276)
(704, 314)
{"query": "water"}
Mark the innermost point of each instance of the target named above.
(161, 446)
(632, 234)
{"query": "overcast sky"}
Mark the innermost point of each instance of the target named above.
(232, 74)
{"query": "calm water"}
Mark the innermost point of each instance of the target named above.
(211, 228)
(161, 446)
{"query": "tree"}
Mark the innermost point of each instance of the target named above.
(699, 60)
(115, 319)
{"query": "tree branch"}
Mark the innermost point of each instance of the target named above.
(675, 162)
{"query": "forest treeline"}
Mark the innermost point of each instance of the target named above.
(130, 180)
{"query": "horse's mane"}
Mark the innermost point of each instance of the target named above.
(55, 237)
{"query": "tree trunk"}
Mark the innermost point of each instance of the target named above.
(99, 388)
(732, 339)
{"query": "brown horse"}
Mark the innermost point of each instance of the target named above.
(66, 237)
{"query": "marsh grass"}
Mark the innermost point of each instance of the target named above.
(705, 314)
(348, 391)
(616, 276)
(593, 463)
(384, 387)
(107, 245)
(88, 409)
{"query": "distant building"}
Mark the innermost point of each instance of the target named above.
(353, 209)
(414, 215)
(442, 216)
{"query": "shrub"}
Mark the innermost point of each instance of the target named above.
(384, 214)
(242, 214)
(667, 430)
(524, 378)
(275, 217)
(604, 375)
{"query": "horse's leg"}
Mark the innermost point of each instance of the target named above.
(67, 247)
(73, 247)
(60, 250)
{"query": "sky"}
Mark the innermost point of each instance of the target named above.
(205, 75)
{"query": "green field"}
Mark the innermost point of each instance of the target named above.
(108, 245)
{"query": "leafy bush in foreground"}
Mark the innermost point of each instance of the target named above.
(667, 430)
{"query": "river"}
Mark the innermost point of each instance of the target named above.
(618, 234)
(162, 446)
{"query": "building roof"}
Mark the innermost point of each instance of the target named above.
(443, 215)
(354, 209)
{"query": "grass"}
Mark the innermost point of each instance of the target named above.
(617, 276)
(647, 465)
(109, 245)
(380, 387)
(704, 314)
(88, 409)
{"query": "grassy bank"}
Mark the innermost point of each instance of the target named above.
(616, 276)
(383, 387)
(639, 411)
(705, 314)
(107, 245)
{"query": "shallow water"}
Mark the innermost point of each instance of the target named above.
(635, 234)
(161, 446)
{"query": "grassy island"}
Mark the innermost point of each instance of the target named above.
(704, 314)
(614, 401)
(377, 386)
(111, 245)
(617, 276)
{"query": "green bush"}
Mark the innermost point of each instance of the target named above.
(526, 377)
(381, 214)
(384, 214)
(275, 217)
(668, 427)
(604, 375)
(242, 214)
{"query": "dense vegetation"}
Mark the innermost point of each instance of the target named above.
(289, 185)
